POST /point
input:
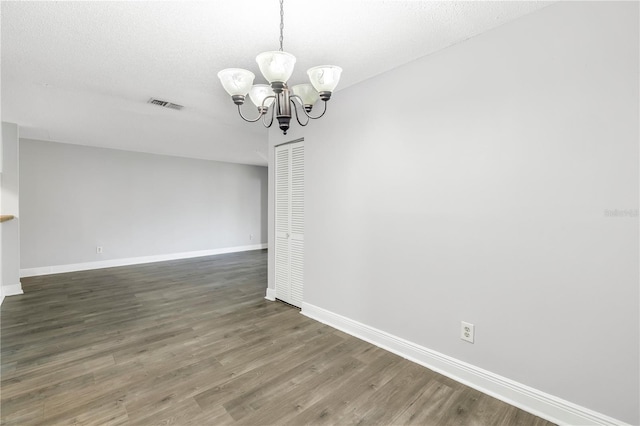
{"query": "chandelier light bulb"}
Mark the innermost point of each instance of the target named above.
(236, 81)
(307, 93)
(276, 66)
(324, 78)
(259, 92)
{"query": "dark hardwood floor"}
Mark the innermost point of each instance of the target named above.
(195, 342)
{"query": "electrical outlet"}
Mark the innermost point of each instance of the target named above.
(251, 236)
(99, 249)
(467, 331)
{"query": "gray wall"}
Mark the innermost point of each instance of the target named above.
(481, 193)
(9, 204)
(74, 198)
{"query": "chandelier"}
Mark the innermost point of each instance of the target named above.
(277, 67)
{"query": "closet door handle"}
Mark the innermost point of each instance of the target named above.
(287, 235)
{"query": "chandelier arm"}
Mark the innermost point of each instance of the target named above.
(295, 108)
(250, 120)
(265, 100)
(264, 121)
(305, 111)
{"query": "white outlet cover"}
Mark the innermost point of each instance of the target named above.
(467, 331)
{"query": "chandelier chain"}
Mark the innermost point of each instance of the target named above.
(281, 23)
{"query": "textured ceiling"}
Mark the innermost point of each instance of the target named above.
(82, 72)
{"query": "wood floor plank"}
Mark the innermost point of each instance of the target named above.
(194, 342)
(282, 408)
(289, 373)
(89, 406)
(303, 379)
(180, 413)
(33, 414)
(431, 405)
(358, 387)
(399, 392)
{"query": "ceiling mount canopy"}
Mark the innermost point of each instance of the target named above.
(277, 67)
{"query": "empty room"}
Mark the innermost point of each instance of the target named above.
(269, 212)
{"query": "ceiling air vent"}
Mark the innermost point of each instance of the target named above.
(164, 104)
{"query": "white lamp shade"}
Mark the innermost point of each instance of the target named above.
(307, 93)
(276, 66)
(325, 78)
(259, 92)
(236, 81)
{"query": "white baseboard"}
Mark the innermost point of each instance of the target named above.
(531, 400)
(10, 290)
(271, 294)
(59, 269)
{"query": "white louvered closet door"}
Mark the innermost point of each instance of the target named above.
(289, 245)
